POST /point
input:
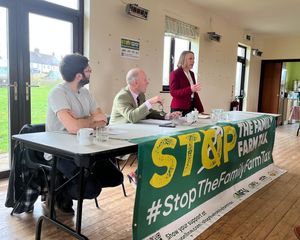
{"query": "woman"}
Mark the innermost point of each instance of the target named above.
(183, 86)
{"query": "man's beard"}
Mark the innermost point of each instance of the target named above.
(83, 82)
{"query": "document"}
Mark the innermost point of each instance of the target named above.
(203, 116)
(155, 121)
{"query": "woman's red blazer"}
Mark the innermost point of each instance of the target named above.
(181, 92)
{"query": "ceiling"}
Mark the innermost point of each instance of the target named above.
(268, 17)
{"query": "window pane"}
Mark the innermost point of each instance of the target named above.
(46, 50)
(166, 66)
(238, 78)
(4, 92)
(66, 3)
(180, 46)
(241, 52)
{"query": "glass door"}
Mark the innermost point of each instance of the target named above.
(34, 36)
(46, 50)
(4, 91)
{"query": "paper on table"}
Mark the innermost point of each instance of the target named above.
(155, 121)
(203, 116)
(116, 131)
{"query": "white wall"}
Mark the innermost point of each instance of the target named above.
(107, 22)
(283, 47)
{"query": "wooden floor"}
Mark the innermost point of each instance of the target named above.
(269, 214)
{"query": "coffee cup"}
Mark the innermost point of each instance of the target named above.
(85, 136)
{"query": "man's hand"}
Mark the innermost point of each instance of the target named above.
(175, 115)
(196, 87)
(71, 113)
(98, 119)
(156, 99)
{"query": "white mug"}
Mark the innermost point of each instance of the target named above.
(85, 136)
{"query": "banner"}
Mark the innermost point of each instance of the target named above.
(189, 179)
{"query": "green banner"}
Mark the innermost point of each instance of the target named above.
(180, 172)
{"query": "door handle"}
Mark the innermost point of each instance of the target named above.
(15, 86)
(28, 85)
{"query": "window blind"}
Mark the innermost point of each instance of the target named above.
(179, 29)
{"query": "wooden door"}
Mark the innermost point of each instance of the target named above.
(269, 92)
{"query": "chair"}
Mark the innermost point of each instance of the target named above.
(132, 157)
(117, 162)
(33, 167)
(30, 170)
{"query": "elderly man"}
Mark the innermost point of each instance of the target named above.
(71, 107)
(130, 104)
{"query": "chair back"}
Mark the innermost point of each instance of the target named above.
(32, 128)
(33, 158)
(27, 176)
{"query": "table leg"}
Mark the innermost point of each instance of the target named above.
(81, 188)
(38, 228)
(51, 198)
(51, 193)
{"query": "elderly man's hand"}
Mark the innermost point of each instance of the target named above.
(175, 115)
(156, 99)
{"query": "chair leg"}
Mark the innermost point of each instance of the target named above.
(20, 198)
(124, 191)
(133, 160)
(123, 186)
(96, 202)
(298, 130)
(124, 164)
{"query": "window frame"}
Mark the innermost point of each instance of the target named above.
(166, 88)
(242, 60)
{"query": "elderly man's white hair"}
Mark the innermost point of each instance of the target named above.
(133, 75)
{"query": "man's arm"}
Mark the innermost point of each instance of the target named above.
(73, 124)
(132, 114)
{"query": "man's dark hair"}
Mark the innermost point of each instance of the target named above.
(71, 65)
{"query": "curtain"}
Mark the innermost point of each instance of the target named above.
(179, 29)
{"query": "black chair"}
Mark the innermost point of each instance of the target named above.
(32, 174)
(29, 174)
(117, 160)
(34, 167)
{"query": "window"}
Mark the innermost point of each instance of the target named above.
(74, 4)
(34, 34)
(240, 74)
(179, 37)
(173, 47)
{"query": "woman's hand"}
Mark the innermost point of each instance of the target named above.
(196, 87)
